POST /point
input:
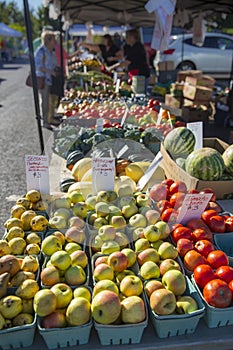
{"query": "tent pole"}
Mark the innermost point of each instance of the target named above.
(61, 52)
(33, 71)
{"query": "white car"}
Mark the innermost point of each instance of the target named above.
(214, 58)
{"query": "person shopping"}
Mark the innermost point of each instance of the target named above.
(45, 63)
(135, 57)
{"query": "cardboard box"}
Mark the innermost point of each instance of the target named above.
(172, 170)
(204, 80)
(195, 103)
(166, 65)
(197, 92)
(194, 114)
(181, 75)
(173, 101)
(168, 76)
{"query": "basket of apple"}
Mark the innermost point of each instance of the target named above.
(118, 301)
(214, 282)
(64, 315)
(175, 307)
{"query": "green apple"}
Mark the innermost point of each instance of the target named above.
(76, 221)
(141, 244)
(152, 285)
(164, 229)
(106, 196)
(143, 210)
(122, 274)
(79, 257)
(102, 272)
(118, 261)
(71, 247)
(138, 220)
(109, 247)
(125, 190)
(75, 234)
(168, 264)
(64, 294)
(129, 210)
(163, 302)
(157, 244)
(186, 304)
(167, 250)
(131, 255)
(152, 216)
(99, 222)
(138, 232)
(78, 312)
(107, 232)
(143, 200)
(57, 222)
(133, 310)
(118, 221)
(91, 202)
(61, 259)
(152, 233)
(122, 239)
(149, 270)
(149, 254)
(82, 291)
(80, 209)
(114, 211)
(106, 307)
(105, 285)
(50, 245)
(75, 275)
(76, 196)
(64, 212)
(102, 209)
(62, 202)
(127, 200)
(45, 302)
(174, 280)
(131, 285)
(96, 243)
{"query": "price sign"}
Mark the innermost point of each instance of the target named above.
(193, 206)
(37, 173)
(197, 129)
(150, 171)
(103, 172)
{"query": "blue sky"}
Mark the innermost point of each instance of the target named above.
(33, 4)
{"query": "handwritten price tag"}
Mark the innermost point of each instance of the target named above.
(197, 129)
(37, 173)
(103, 172)
(193, 206)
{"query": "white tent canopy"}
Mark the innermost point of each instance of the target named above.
(7, 31)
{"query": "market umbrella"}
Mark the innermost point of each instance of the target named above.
(7, 31)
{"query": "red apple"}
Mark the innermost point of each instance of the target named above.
(158, 192)
(56, 319)
(192, 259)
(118, 261)
(183, 245)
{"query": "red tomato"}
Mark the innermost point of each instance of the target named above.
(181, 232)
(215, 206)
(204, 247)
(192, 259)
(193, 191)
(209, 190)
(217, 293)
(168, 182)
(225, 273)
(169, 215)
(196, 223)
(176, 199)
(217, 258)
(207, 214)
(202, 233)
(158, 192)
(229, 224)
(183, 245)
(202, 274)
(217, 224)
(178, 186)
(162, 205)
(231, 287)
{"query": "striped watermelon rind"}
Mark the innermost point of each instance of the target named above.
(228, 159)
(179, 142)
(205, 164)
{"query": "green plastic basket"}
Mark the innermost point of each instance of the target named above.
(175, 325)
(65, 337)
(224, 242)
(18, 337)
(215, 317)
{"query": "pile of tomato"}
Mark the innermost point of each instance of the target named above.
(208, 265)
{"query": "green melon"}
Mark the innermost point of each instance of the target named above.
(228, 159)
(181, 162)
(205, 164)
(179, 142)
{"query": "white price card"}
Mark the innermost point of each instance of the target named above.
(118, 83)
(197, 129)
(37, 173)
(103, 173)
(193, 206)
(150, 171)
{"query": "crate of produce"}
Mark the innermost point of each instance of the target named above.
(174, 325)
(122, 333)
(215, 317)
(56, 338)
(224, 242)
(18, 337)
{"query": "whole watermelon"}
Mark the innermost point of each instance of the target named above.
(205, 164)
(228, 159)
(179, 142)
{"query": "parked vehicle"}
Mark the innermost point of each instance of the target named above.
(213, 58)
